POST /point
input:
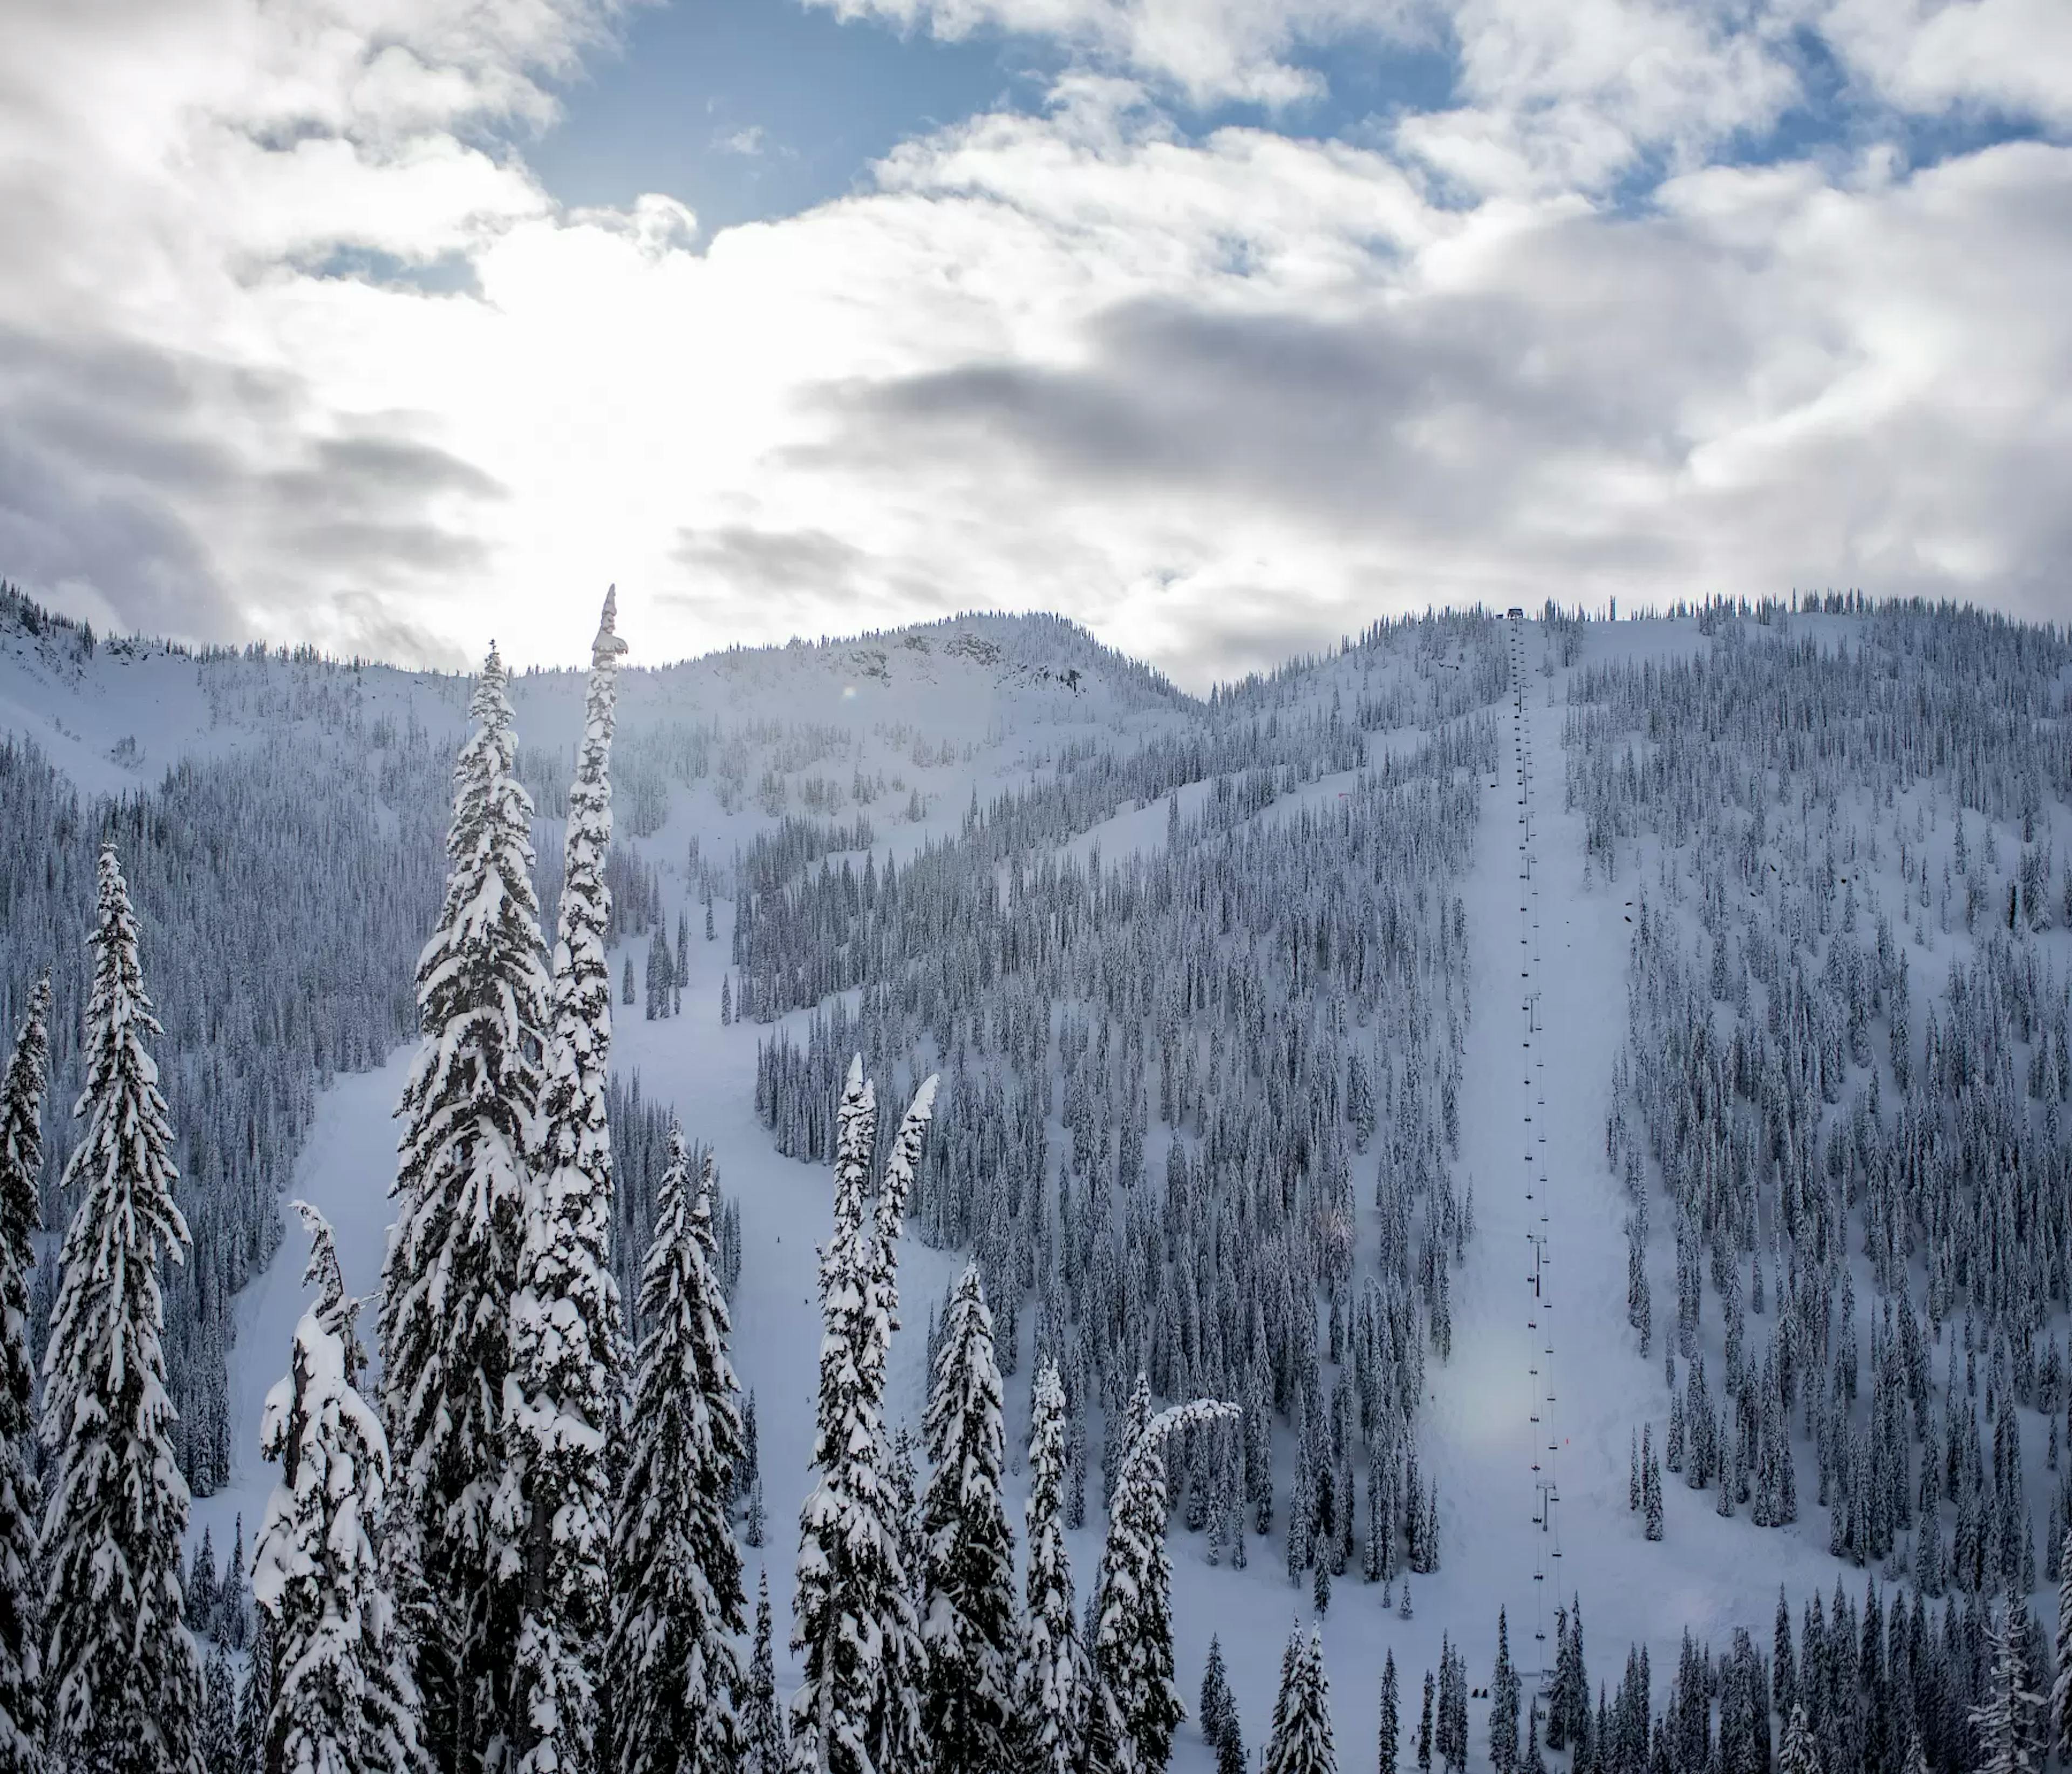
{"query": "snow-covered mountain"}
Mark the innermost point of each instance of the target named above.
(1379, 1044)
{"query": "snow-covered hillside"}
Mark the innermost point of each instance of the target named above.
(1377, 1045)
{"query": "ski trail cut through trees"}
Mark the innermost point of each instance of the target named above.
(1542, 1442)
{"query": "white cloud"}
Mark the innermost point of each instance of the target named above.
(1219, 398)
(1208, 50)
(1556, 96)
(2013, 56)
(1569, 97)
(1549, 93)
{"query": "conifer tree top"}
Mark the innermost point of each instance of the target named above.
(606, 648)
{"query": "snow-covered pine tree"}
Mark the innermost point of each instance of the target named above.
(2004, 1719)
(968, 1629)
(1302, 1742)
(762, 1747)
(255, 1700)
(232, 1621)
(2061, 1690)
(661, 976)
(675, 1571)
(219, 1714)
(344, 1699)
(1289, 1652)
(1391, 1721)
(452, 1264)
(21, 1500)
(201, 1593)
(1051, 1684)
(1451, 1740)
(1534, 1762)
(895, 1730)
(561, 1396)
(748, 1470)
(851, 1583)
(123, 1675)
(1651, 1488)
(1135, 1707)
(1230, 1743)
(1570, 1696)
(1504, 1703)
(1215, 1702)
(899, 1743)
(1799, 1751)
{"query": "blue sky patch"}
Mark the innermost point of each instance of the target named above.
(751, 109)
(748, 110)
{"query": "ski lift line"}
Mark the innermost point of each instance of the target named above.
(1535, 1425)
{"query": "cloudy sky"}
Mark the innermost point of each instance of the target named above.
(1222, 325)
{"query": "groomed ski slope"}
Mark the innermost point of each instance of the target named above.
(1546, 936)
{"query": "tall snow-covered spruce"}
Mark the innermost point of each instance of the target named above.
(1799, 1750)
(567, 1360)
(123, 1676)
(968, 1620)
(1051, 1685)
(675, 1571)
(21, 1501)
(852, 1615)
(2007, 1717)
(763, 1749)
(2060, 1687)
(344, 1699)
(1136, 1707)
(1302, 1742)
(454, 1252)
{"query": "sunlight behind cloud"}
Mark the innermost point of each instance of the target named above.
(1218, 393)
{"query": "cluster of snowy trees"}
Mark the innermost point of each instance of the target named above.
(277, 959)
(668, 972)
(525, 1559)
(642, 1152)
(101, 1668)
(776, 857)
(1163, 1071)
(1815, 1131)
(438, 1575)
(1882, 1688)
(799, 938)
(916, 1653)
(282, 888)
